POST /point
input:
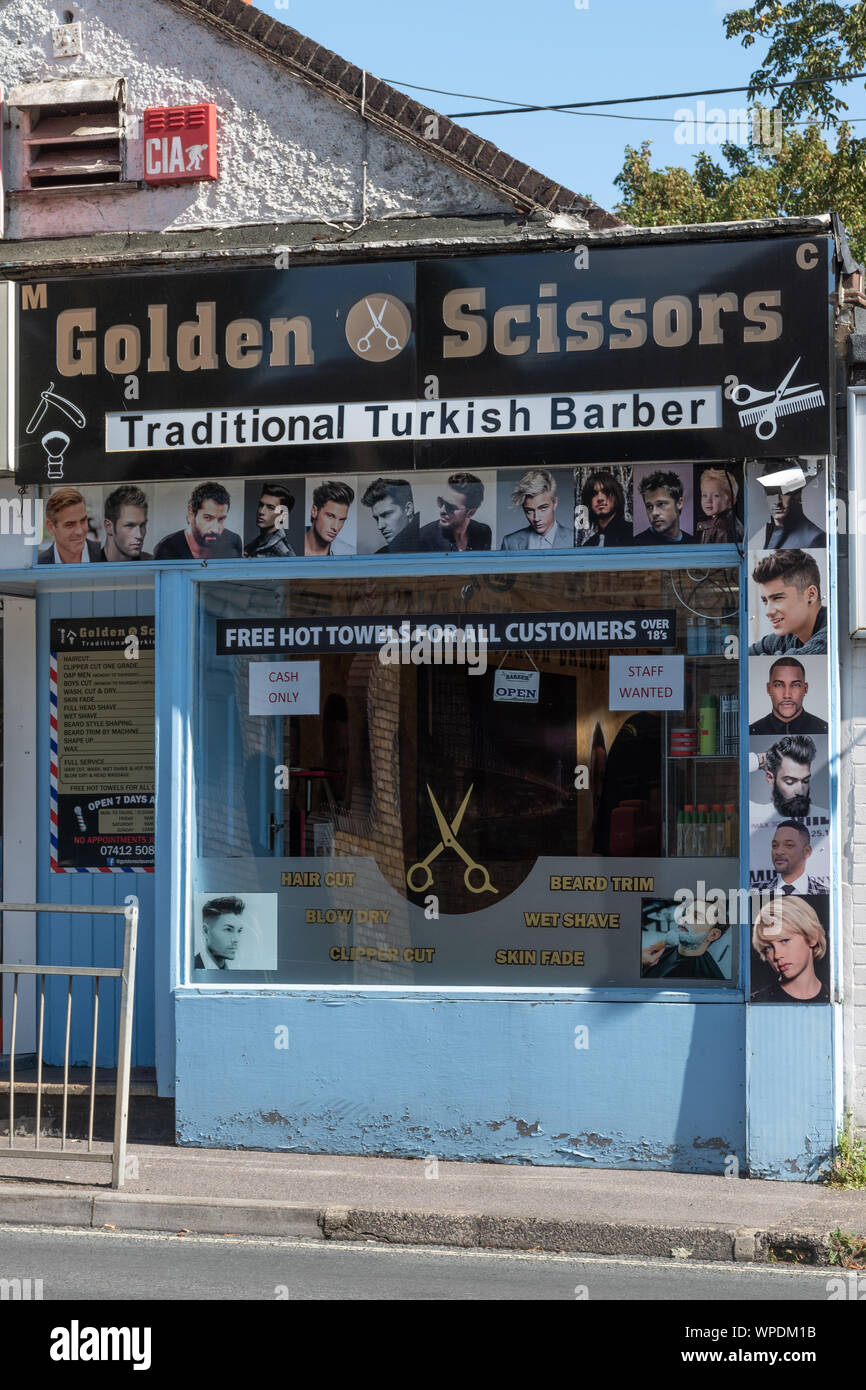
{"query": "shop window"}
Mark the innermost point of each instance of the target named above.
(590, 797)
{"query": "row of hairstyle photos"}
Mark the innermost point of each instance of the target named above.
(790, 864)
(240, 932)
(556, 508)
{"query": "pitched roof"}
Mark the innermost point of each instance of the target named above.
(393, 111)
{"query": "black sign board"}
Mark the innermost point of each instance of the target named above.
(395, 636)
(700, 350)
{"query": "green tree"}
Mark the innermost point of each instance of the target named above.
(809, 40)
(817, 40)
(805, 177)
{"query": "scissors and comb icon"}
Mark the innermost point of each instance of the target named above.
(449, 841)
(392, 342)
(785, 400)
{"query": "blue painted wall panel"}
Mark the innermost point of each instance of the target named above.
(792, 1105)
(473, 1078)
(65, 940)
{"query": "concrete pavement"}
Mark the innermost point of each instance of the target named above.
(431, 1202)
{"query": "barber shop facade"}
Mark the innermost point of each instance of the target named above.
(440, 650)
(438, 625)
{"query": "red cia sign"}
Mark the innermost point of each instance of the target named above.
(180, 143)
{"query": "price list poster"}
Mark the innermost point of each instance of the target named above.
(102, 745)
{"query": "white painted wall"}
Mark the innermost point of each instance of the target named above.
(853, 825)
(286, 152)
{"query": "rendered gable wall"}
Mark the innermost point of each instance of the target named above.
(286, 152)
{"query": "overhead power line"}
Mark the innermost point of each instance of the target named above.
(525, 108)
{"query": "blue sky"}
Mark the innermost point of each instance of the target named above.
(546, 51)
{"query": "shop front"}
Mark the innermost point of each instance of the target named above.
(464, 717)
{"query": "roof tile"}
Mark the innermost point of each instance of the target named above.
(333, 72)
(242, 16)
(453, 138)
(485, 157)
(472, 148)
(288, 42)
(307, 52)
(499, 167)
(320, 59)
(263, 25)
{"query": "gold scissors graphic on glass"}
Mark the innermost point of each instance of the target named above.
(391, 342)
(449, 841)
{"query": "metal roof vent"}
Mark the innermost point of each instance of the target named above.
(72, 132)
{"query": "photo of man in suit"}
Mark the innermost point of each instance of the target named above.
(536, 494)
(791, 849)
(67, 524)
(455, 530)
(788, 527)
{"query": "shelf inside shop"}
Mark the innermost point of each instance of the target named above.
(703, 757)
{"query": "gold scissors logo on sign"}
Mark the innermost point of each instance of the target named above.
(449, 841)
(392, 342)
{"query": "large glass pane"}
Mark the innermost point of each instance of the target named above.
(556, 804)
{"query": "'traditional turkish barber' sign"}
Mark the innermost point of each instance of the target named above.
(721, 348)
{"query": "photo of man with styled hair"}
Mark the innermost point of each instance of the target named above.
(789, 585)
(272, 519)
(222, 925)
(458, 502)
(125, 515)
(662, 493)
(329, 511)
(67, 523)
(205, 536)
(787, 688)
(392, 507)
(788, 773)
(787, 767)
(536, 495)
(237, 933)
(789, 937)
(602, 498)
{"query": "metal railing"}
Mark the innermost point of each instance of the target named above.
(126, 974)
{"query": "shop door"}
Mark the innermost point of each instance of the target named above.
(18, 808)
(96, 808)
